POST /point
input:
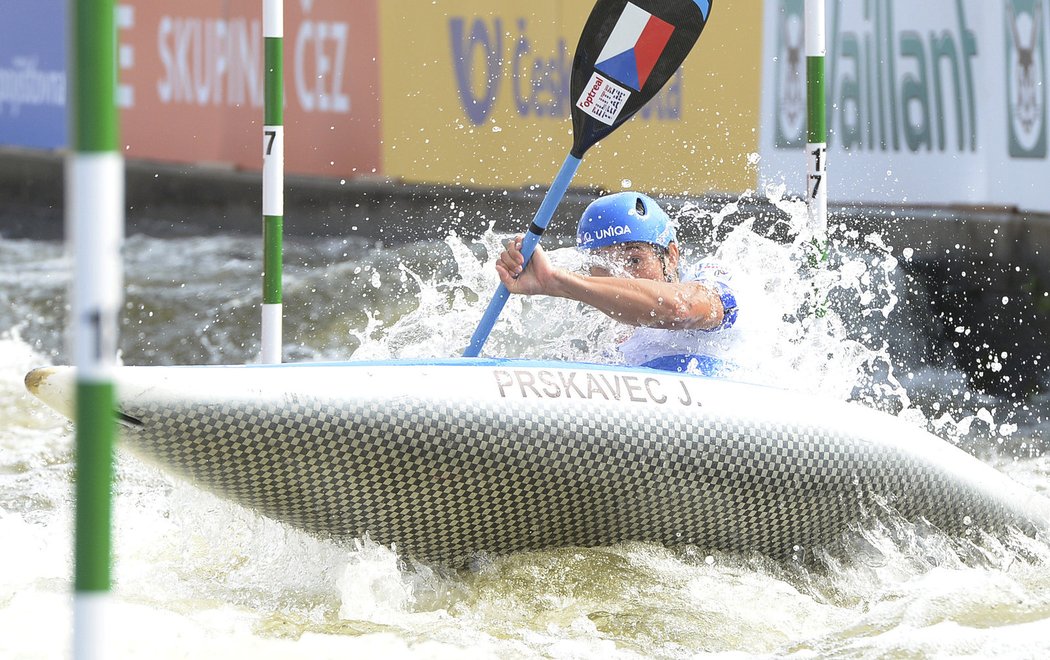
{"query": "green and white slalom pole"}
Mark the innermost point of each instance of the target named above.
(273, 178)
(95, 231)
(817, 128)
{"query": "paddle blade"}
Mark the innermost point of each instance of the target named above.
(627, 51)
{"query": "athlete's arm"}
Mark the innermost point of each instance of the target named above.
(650, 303)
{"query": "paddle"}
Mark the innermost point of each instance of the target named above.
(627, 51)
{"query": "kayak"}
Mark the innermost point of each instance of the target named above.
(449, 459)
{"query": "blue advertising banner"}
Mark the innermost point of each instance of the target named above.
(33, 73)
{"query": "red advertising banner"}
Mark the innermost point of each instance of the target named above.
(191, 83)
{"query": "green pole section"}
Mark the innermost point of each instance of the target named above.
(273, 237)
(94, 477)
(817, 125)
(94, 76)
(273, 112)
(273, 179)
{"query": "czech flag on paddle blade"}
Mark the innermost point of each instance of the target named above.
(634, 46)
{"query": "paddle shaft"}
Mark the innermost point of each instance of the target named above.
(532, 238)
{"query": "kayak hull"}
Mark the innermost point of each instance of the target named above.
(449, 459)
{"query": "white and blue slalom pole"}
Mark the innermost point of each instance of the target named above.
(95, 230)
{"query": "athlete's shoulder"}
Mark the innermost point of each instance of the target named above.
(715, 274)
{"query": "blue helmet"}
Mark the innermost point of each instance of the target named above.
(626, 217)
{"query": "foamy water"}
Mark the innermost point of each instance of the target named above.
(196, 576)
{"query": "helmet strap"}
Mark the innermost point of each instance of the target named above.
(663, 254)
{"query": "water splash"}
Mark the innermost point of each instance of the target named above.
(199, 576)
(795, 333)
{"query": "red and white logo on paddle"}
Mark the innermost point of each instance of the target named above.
(603, 99)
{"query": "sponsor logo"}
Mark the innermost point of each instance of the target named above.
(791, 77)
(603, 99)
(1026, 78)
(712, 271)
(588, 100)
(214, 62)
(608, 232)
(491, 54)
(25, 85)
(634, 46)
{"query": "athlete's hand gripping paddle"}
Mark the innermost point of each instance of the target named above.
(627, 51)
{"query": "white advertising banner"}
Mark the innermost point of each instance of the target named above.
(933, 102)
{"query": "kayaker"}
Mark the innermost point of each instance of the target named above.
(683, 318)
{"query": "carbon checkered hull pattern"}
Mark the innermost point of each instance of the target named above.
(444, 477)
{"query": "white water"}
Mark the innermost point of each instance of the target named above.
(198, 577)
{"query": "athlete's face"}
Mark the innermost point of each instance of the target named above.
(638, 260)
